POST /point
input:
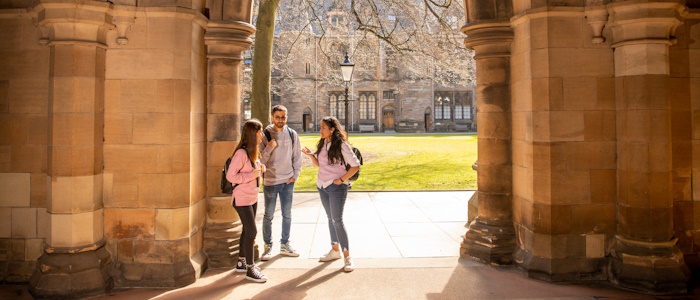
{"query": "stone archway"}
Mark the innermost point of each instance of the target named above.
(560, 195)
(588, 190)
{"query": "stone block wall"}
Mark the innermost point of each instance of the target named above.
(684, 88)
(105, 131)
(564, 155)
(602, 111)
(155, 147)
(24, 87)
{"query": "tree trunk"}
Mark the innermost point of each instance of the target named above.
(262, 57)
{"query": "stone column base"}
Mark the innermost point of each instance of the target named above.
(648, 267)
(72, 273)
(221, 242)
(567, 269)
(490, 242)
(177, 274)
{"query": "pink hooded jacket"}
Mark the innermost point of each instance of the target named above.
(241, 172)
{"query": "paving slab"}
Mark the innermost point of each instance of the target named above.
(405, 245)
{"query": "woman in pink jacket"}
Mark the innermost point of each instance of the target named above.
(244, 173)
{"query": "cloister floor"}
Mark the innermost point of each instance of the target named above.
(405, 246)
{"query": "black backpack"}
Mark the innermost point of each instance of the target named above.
(347, 166)
(226, 186)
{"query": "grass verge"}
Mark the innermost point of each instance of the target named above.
(405, 162)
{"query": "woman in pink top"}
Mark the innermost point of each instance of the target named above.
(244, 173)
(333, 153)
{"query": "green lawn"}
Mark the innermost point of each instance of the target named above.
(405, 162)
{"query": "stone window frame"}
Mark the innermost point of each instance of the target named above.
(368, 104)
(336, 106)
(443, 109)
(463, 105)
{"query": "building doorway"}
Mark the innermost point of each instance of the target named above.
(388, 119)
(427, 120)
(306, 120)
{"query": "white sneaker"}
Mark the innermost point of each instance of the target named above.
(286, 249)
(349, 266)
(331, 255)
(267, 254)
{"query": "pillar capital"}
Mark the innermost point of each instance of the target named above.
(645, 21)
(227, 39)
(76, 21)
(489, 38)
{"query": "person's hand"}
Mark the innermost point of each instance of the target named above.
(256, 172)
(291, 180)
(337, 182)
(263, 168)
(306, 151)
(272, 144)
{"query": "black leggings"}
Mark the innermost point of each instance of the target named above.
(247, 215)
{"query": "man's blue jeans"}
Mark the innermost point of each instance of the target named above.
(286, 194)
(333, 200)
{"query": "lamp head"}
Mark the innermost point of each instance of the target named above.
(346, 68)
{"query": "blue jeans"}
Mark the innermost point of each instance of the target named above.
(286, 193)
(333, 200)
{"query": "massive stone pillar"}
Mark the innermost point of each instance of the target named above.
(75, 263)
(645, 256)
(227, 36)
(491, 237)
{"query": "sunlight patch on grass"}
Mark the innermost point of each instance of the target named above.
(405, 162)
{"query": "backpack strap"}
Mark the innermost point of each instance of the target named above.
(267, 135)
(257, 182)
(291, 135)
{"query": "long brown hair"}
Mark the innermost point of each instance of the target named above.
(249, 139)
(337, 138)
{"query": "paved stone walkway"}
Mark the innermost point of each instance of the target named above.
(405, 246)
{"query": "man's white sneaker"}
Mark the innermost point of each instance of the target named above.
(267, 253)
(349, 266)
(286, 249)
(331, 255)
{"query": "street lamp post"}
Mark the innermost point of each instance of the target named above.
(346, 68)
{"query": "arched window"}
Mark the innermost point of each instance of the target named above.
(333, 105)
(446, 108)
(368, 102)
(438, 107)
(363, 107)
(341, 107)
(459, 107)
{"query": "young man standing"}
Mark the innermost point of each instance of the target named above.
(280, 152)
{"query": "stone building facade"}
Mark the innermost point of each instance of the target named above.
(116, 117)
(384, 95)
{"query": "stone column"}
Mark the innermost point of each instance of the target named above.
(75, 263)
(225, 40)
(491, 236)
(645, 256)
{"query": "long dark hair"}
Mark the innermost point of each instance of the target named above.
(249, 139)
(337, 138)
